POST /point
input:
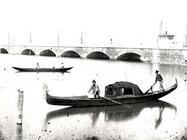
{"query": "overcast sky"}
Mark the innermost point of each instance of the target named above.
(125, 21)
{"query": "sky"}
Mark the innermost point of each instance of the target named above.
(127, 22)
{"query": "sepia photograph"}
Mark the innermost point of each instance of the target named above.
(93, 70)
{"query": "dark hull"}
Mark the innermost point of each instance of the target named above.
(42, 69)
(86, 102)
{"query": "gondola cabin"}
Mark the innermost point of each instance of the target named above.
(120, 89)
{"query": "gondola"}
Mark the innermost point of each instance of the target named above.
(115, 94)
(42, 69)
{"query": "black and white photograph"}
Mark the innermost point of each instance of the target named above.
(93, 70)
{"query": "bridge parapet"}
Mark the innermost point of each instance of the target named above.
(152, 55)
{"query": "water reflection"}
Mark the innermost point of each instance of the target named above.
(19, 132)
(120, 115)
(2, 137)
(111, 113)
(159, 119)
(41, 76)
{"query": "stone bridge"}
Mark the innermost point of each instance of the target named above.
(126, 54)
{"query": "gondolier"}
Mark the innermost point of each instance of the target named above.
(62, 65)
(37, 66)
(159, 79)
(94, 89)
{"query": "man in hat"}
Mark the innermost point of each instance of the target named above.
(62, 65)
(94, 89)
(37, 65)
(159, 79)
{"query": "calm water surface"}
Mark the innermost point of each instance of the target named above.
(161, 120)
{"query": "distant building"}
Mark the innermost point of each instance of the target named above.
(166, 36)
(185, 41)
(166, 41)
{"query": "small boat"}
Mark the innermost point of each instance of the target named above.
(115, 94)
(42, 69)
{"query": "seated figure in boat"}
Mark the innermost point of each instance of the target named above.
(61, 67)
(94, 89)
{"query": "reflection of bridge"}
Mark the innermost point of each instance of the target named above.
(126, 54)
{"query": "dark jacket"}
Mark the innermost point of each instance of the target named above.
(158, 78)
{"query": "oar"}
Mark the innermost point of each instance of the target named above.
(109, 99)
(150, 88)
(112, 101)
(116, 102)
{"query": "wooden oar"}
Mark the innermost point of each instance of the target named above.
(112, 101)
(116, 102)
(149, 88)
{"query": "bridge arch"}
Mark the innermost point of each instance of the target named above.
(130, 56)
(27, 52)
(47, 53)
(70, 53)
(2, 50)
(97, 55)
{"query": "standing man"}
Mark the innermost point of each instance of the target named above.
(159, 79)
(94, 89)
(62, 65)
(37, 65)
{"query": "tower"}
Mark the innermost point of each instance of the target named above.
(165, 40)
(185, 41)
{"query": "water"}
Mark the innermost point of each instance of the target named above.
(165, 119)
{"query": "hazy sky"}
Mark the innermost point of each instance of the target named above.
(126, 21)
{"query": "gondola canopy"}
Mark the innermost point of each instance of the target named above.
(121, 89)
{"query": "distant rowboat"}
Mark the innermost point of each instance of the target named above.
(42, 69)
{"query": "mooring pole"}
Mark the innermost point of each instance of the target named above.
(20, 107)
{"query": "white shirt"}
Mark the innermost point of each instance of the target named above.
(94, 89)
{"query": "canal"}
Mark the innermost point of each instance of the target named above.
(160, 120)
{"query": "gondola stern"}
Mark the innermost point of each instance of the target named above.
(176, 82)
(46, 94)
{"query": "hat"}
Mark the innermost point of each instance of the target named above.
(93, 81)
(156, 71)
